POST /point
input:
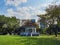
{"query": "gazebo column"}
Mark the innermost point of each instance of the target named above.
(35, 29)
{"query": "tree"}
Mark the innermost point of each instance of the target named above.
(53, 16)
(8, 23)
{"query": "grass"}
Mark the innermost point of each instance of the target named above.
(35, 40)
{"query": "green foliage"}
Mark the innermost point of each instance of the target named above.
(10, 22)
(59, 23)
(44, 30)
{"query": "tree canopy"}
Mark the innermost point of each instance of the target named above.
(53, 13)
(9, 21)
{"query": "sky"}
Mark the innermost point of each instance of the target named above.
(24, 9)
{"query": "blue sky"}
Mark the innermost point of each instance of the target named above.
(24, 9)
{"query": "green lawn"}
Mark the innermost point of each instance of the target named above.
(21, 40)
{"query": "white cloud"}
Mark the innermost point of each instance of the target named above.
(28, 12)
(15, 2)
(49, 2)
(10, 12)
(25, 12)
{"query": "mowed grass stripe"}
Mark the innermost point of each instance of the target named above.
(27, 40)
